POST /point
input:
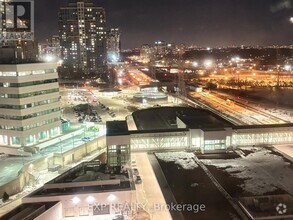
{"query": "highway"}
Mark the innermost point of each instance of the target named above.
(237, 112)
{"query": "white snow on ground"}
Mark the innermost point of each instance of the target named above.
(194, 185)
(183, 159)
(261, 171)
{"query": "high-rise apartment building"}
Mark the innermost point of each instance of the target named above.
(160, 48)
(113, 44)
(50, 49)
(147, 53)
(83, 36)
(29, 103)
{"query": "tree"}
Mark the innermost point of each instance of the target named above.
(5, 197)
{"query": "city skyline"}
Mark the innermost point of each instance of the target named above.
(204, 23)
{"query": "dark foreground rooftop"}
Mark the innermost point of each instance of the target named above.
(28, 211)
(116, 128)
(84, 178)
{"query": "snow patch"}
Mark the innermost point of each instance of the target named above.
(194, 185)
(183, 159)
(261, 171)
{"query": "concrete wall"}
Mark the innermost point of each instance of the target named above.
(15, 186)
(118, 140)
(53, 213)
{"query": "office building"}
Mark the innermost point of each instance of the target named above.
(29, 103)
(82, 37)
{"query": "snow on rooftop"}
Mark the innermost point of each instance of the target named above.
(183, 159)
(262, 171)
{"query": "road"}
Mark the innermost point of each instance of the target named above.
(149, 191)
(240, 112)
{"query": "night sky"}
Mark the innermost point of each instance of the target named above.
(200, 22)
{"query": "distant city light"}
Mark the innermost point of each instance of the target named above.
(60, 62)
(288, 67)
(49, 58)
(113, 57)
(208, 63)
(235, 59)
(208, 48)
(195, 64)
(291, 20)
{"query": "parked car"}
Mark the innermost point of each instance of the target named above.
(86, 139)
(80, 120)
(118, 217)
(135, 171)
(138, 180)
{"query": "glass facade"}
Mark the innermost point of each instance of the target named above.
(30, 105)
(25, 84)
(27, 73)
(118, 155)
(214, 144)
(28, 127)
(25, 95)
(257, 137)
(33, 115)
(180, 140)
(159, 141)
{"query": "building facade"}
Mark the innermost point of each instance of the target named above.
(180, 128)
(83, 36)
(29, 103)
(50, 49)
(113, 45)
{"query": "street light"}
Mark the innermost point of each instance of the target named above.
(60, 145)
(208, 63)
(47, 161)
(288, 67)
(194, 64)
(72, 140)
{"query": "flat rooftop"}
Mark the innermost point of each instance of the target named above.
(85, 178)
(164, 118)
(116, 128)
(28, 211)
(268, 207)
